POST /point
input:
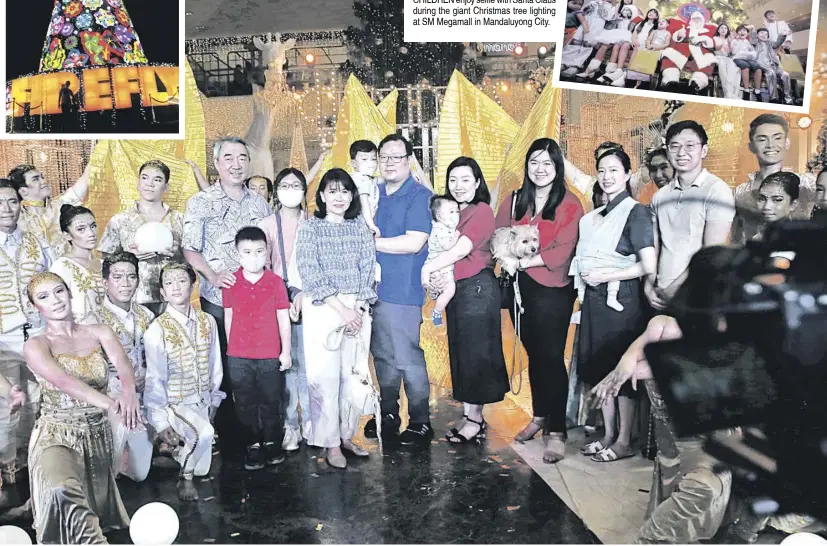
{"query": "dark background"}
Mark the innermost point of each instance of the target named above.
(27, 22)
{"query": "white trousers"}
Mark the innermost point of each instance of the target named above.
(16, 429)
(192, 423)
(331, 416)
(132, 450)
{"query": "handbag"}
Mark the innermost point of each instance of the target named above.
(507, 281)
(645, 62)
(290, 293)
(357, 391)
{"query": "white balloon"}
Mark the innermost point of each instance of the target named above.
(154, 524)
(11, 534)
(804, 539)
(153, 237)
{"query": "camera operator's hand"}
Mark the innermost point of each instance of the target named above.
(609, 388)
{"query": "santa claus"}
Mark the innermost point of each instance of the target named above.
(690, 41)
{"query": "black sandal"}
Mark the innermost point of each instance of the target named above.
(454, 431)
(476, 438)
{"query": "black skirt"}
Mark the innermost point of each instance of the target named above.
(606, 334)
(475, 345)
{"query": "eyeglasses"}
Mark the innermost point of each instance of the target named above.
(689, 147)
(296, 186)
(393, 159)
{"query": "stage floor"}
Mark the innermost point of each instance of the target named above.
(444, 494)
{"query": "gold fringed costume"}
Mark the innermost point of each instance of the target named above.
(74, 494)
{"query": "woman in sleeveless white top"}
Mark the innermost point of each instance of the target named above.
(80, 268)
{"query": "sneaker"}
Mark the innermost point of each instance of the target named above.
(417, 435)
(273, 456)
(390, 426)
(253, 460)
(291, 439)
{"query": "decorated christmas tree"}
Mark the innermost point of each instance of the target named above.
(88, 34)
(819, 160)
(383, 58)
(717, 11)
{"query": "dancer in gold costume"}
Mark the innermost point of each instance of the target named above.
(21, 257)
(79, 267)
(183, 377)
(41, 213)
(153, 183)
(74, 494)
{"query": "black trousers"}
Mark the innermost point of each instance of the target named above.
(258, 388)
(543, 329)
(226, 425)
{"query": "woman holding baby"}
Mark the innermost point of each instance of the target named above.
(615, 252)
(544, 202)
(475, 348)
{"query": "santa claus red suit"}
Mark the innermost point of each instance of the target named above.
(690, 41)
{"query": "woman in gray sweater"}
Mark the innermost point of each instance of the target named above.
(336, 259)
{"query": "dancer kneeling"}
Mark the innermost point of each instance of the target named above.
(74, 494)
(183, 377)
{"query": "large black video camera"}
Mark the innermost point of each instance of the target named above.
(768, 375)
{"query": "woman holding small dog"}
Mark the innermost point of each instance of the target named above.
(615, 252)
(544, 202)
(475, 347)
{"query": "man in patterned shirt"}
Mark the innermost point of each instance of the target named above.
(129, 320)
(40, 213)
(211, 221)
(769, 141)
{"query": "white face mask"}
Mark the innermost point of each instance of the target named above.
(290, 198)
(252, 264)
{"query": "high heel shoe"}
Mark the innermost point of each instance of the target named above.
(476, 438)
(531, 429)
(454, 431)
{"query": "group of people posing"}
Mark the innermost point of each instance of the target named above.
(743, 59)
(106, 361)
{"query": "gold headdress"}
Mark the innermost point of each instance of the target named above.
(39, 279)
(178, 266)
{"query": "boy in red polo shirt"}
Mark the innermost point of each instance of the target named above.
(255, 307)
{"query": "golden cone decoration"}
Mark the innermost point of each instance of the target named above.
(473, 125)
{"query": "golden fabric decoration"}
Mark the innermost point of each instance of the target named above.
(473, 125)
(358, 119)
(298, 155)
(543, 122)
(114, 164)
(387, 107)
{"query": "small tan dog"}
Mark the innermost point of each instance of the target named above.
(511, 244)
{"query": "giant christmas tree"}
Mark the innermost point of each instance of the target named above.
(90, 33)
(382, 57)
(720, 11)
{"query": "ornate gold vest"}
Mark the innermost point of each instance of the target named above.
(188, 358)
(15, 274)
(131, 338)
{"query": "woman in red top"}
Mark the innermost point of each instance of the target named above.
(546, 289)
(475, 345)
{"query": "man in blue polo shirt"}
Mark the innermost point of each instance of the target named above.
(404, 220)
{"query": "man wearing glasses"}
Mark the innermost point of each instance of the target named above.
(693, 211)
(404, 219)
